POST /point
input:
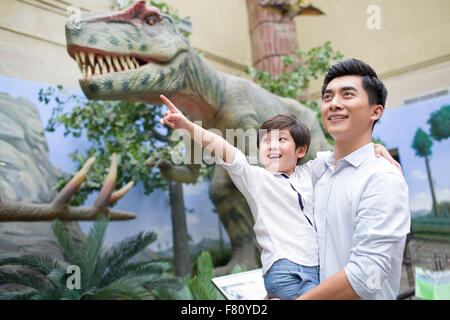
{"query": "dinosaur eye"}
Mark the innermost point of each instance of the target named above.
(152, 20)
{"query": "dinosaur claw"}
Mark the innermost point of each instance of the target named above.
(104, 196)
(64, 196)
(59, 208)
(115, 196)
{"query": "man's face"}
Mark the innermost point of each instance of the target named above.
(277, 151)
(346, 113)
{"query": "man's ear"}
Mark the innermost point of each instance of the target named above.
(377, 112)
(301, 151)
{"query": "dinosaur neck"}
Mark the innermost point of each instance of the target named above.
(203, 95)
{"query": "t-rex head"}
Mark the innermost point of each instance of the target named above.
(133, 55)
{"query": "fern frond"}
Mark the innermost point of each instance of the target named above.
(56, 277)
(148, 267)
(70, 248)
(42, 264)
(113, 259)
(25, 294)
(164, 294)
(165, 281)
(125, 288)
(91, 249)
(48, 294)
(18, 277)
(70, 294)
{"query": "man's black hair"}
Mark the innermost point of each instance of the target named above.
(353, 67)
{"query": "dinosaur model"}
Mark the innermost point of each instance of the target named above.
(290, 9)
(137, 54)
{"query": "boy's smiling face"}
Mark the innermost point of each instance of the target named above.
(277, 151)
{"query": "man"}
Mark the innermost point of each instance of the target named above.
(361, 203)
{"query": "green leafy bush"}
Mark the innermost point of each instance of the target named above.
(104, 274)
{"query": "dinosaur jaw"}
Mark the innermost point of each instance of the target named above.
(127, 77)
(94, 62)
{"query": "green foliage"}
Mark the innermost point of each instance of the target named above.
(200, 287)
(104, 273)
(432, 227)
(422, 143)
(131, 130)
(379, 141)
(440, 123)
(297, 75)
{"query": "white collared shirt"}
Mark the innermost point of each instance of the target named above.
(281, 228)
(362, 217)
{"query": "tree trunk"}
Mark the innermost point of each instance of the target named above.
(220, 235)
(272, 37)
(181, 257)
(433, 194)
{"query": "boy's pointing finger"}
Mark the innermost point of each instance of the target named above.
(169, 104)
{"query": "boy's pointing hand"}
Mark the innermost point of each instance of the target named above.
(173, 118)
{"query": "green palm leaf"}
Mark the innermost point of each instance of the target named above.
(43, 264)
(19, 277)
(48, 294)
(19, 295)
(125, 288)
(148, 267)
(70, 249)
(56, 277)
(112, 260)
(164, 281)
(91, 249)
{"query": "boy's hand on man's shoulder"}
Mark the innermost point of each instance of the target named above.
(381, 151)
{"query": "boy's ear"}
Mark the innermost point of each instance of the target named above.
(301, 151)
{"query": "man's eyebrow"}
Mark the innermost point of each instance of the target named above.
(346, 88)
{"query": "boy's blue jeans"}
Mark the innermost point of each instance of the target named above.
(287, 280)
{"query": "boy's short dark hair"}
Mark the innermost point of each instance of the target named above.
(298, 131)
(353, 67)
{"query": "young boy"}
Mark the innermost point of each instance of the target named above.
(279, 196)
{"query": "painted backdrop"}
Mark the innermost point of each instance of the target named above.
(153, 211)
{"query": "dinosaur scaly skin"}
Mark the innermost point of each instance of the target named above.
(162, 62)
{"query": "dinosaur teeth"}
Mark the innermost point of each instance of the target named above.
(135, 62)
(91, 58)
(124, 64)
(108, 61)
(83, 57)
(89, 71)
(100, 61)
(97, 70)
(116, 64)
(104, 69)
(102, 65)
(95, 64)
(78, 59)
(129, 62)
(84, 71)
